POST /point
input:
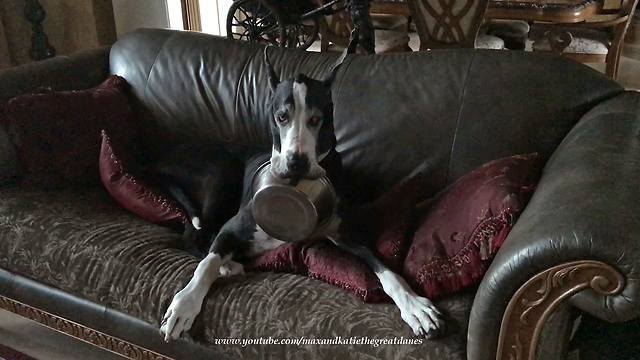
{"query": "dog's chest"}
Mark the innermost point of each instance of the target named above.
(262, 242)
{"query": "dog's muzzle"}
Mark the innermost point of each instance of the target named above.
(295, 166)
(298, 164)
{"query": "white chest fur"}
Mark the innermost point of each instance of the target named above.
(262, 243)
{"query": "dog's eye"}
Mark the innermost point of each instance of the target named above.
(314, 121)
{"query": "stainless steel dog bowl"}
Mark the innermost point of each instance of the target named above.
(291, 213)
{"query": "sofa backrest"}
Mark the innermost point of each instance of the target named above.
(441, 113)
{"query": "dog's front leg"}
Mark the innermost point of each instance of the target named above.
(233, 239)
(186, 304)
(418, 312)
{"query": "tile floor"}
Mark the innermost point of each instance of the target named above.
(46, 344)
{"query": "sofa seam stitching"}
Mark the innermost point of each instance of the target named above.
(155, 60)
(455, 133)
(344, 73)
(237, 95)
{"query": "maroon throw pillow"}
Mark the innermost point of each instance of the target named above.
(462, 228)
(385, 222)
(57, 134)
(143, 200)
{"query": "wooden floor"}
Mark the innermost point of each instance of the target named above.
(42, 343)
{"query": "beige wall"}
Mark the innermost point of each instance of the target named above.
(71, 26)
(134, 14)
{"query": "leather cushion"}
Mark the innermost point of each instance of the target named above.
(133, 193)
(57, 134)
(461, 229)
(444, 122)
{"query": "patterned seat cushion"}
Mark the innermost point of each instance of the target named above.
(489, 42)
(583, 41)
(81, 242)
(509, 28)
(390, 39)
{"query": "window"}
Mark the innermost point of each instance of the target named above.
(209, 16)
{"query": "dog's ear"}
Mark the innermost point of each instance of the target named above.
(274, 80)
(353, 43)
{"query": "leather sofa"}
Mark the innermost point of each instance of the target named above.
(75, 261)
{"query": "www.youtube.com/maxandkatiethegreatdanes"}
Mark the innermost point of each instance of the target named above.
(338, 340)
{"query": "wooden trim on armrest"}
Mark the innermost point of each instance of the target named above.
(537, 299)
(80, 332)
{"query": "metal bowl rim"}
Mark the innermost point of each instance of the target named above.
(324, 179)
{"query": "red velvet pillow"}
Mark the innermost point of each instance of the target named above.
(457, 233)
(385, 222)
(143, 200)
(57, 134)
(463, 227)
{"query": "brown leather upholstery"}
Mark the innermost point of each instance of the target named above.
(584, 208)
(442, 113)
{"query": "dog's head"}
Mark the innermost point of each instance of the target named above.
(301, 118)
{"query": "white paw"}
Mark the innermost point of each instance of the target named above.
(421, 315)
(196, 223)
(231, 268)
(179, 317)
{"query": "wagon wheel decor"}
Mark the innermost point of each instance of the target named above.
(255, 21)
(301, 35)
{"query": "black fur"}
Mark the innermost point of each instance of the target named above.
(208, 186)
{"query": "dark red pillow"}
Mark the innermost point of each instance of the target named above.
(143, 200)
(457, 233)
(385, 222)
(462, 228)
(57, 134)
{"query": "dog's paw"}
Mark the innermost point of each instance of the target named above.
(180, 315)
(231, 268)
(422, 316)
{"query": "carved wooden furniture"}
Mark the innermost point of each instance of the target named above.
(558, 11)
(96, 338)
(533, 304)
(40, 47)
(447, 23)
(598, 39)
(335, 30)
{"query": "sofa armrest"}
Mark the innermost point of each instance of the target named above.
(578, 240)
(79, 71)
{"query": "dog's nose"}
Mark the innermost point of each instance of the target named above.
(297, 163)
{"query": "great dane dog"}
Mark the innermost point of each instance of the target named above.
(212, 181)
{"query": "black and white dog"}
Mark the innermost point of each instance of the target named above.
(301, 112)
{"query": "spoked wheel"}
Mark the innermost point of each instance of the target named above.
(301, 35)
(255, 21)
